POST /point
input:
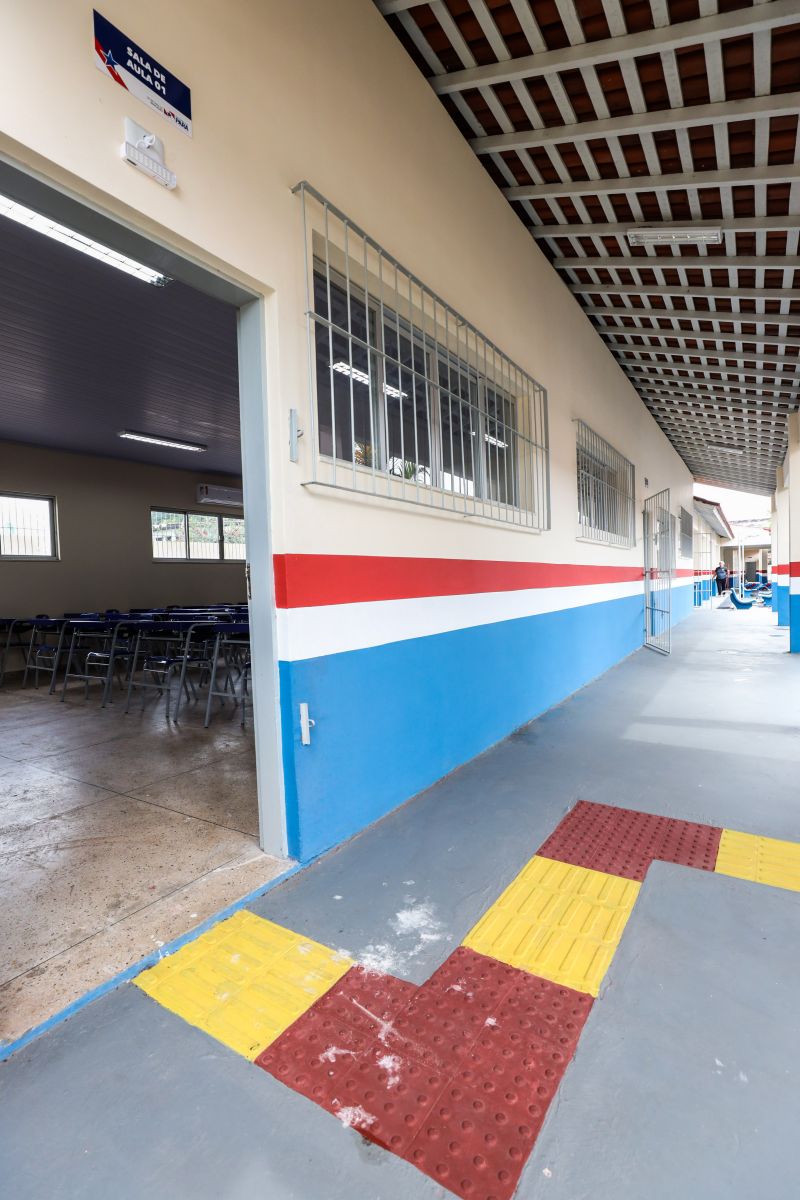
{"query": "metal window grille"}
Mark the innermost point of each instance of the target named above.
(27, 526)
(605, 490)
(185, 536)
(407, 399)
(686, 528)
(701, 554)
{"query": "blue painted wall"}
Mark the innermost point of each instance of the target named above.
(794, 624)
(783, 604)
(702, 591)
(391, 720)
(682, 601)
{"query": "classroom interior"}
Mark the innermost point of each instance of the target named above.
(128, 793)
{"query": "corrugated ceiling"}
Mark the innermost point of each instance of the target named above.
(596, 115)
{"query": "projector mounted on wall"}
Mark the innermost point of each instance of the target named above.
(210, 493)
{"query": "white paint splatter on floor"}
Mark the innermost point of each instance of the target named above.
(414, 928)
(355, 1115)
(333, 1052)
(391, 1063)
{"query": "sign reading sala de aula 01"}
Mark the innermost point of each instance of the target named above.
(140, 74)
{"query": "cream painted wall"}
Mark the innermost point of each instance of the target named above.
(322, 90)
(106, 558)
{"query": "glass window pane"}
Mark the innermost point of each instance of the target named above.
(499, 443)
(203, 535)
(458, 395)
(233, 537)
(169, 534)
(407, 424)
(348, 426)
(26, 527)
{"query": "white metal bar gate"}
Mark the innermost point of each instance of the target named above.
(659, 557)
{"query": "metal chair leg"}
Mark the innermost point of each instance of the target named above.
(56, 660)
(28, 654)
(211, 682)
(69, 665)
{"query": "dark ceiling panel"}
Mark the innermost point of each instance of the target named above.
(86, 350)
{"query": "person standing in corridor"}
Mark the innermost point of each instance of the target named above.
(721, 576)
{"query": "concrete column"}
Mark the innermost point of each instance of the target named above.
(793, 457)
(773, 578)
(781, 567)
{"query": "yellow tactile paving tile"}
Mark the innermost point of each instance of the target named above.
(244, 981)
(761, 859)
(558, 921)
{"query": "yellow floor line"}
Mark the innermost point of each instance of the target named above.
(244, 981)
(558, 921)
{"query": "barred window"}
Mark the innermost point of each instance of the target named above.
(191, 536)
(687, 532)
(27, 526)
(408, 400)
(605, 490)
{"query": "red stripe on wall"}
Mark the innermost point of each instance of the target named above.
(781, 568)
(794, 570)
(309, 580)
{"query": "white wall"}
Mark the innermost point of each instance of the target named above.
(321, 90)
(328, 95)
(106, 554)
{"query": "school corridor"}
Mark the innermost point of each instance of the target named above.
(622, 1023)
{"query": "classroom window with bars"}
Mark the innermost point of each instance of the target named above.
(686, 533)
(408, 400)
(197, 536)
(605, 490)
(27, 526)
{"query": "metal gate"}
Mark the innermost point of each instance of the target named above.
(703, 567)
(659, 559)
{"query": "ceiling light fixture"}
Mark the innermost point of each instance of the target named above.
(131, 436)
(70, 237)
(724, 449)
(645, 235)
(362, 377)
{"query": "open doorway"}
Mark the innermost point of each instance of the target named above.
(139, 762)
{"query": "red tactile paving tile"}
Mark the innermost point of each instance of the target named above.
(467, 971)
(367, 999)
(622, 842)
(475, 1143)
(386, 1095)
(455, 1076)
(315, 1054)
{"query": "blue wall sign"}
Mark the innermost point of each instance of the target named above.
(142, 75)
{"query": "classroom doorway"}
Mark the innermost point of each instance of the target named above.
(139, 735)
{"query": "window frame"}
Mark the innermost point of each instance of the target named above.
(51, 501)
(685, 518)
(592, 448)
(436, 394)
(186, 513)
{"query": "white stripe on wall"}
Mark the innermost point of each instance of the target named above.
(337, 628)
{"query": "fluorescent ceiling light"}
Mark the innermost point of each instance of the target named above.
(129, 434)
(643, 235)
(725, 449)
(362, 377)
(69, 237)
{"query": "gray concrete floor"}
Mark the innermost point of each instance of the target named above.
(129, 1099)
(118, 833)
